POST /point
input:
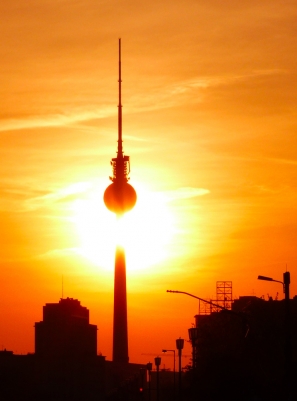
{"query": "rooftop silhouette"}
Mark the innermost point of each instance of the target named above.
(65, 330)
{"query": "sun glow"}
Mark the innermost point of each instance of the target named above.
(145, 232)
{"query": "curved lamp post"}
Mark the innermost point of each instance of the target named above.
(285, 283)
(217, 306)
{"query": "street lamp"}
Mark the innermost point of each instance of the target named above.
(179, 346)
(158, 363)
(285, 283)
(217, 306)
(172, 350)
(193, 335)
(200, 299)
(288, 348)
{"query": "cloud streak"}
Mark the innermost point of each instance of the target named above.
(58, 120)
(185, 193)
(176, 94)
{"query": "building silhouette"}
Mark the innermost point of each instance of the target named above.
(65, 331)
(65, 365)
(240, 354)
(66, 362)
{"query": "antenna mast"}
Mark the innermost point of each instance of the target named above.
(120, 141)
(120, 197)
(121, 163)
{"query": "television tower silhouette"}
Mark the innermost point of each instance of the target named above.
(119, 198)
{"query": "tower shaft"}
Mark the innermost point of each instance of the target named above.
(120, 321)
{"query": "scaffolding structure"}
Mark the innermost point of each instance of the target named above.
(223, 299)
(224, 294)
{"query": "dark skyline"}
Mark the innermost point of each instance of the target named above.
(230, 361)
(209, 120)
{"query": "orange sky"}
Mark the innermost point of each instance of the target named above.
(209, 121)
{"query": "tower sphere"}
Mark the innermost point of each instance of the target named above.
(120, 197)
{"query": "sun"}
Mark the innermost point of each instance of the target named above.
(145, 232)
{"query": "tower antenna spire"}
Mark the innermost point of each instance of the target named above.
(120, 140)
(120, 197)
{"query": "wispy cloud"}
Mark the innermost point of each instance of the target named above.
(57, 120)
(23, 200)
(180, 92)
(282, 161)
(185, 193)
(59, 253)
(172, 95)
(57, 196)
